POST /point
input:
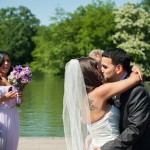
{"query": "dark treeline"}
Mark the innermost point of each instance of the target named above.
(99, 25)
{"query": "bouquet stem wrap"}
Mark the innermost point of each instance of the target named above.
(18, 100)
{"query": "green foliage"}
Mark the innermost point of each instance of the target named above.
(17, 26)
(41, 53)
(73, 35)
(146, 5)
(133, 34)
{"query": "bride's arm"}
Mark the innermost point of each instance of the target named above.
(106, 91)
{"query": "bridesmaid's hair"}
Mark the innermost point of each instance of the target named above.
(92, 77)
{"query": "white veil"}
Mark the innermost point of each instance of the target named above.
(75, 107)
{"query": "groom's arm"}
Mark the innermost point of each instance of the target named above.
(138, 119)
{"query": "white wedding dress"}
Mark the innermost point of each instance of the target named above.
(76, 113)
(105, 129)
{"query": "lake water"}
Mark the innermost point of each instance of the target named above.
(41, 112)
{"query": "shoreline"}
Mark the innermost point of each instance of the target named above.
(41, 143)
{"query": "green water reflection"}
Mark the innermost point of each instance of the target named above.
(41, 113)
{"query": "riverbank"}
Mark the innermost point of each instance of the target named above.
(41, 143)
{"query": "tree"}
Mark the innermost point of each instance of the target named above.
(17, 27)
(146, 5)
(74, 35)
(41, 53)
(133, 34)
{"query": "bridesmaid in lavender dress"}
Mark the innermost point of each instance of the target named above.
(9, 122)
(9, 118)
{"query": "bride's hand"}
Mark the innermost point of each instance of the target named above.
(97, 148)
(135, 77)
(88, 141)
(137, 70)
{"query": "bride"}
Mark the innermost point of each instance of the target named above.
(86, 110)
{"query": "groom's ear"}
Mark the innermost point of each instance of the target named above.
(119, 69)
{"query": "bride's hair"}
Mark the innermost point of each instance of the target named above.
(91, 73)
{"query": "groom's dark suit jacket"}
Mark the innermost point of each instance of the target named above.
(135, 121)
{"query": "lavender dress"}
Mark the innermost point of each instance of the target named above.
(9, 123)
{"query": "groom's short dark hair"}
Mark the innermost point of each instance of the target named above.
(118, 56)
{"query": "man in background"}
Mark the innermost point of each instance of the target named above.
(97, 54)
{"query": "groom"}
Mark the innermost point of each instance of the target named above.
(134, 105)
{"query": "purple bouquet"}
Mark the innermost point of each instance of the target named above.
(20, 77)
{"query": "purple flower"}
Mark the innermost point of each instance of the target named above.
(20, 76)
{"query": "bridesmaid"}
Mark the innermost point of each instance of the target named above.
(9, 118)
